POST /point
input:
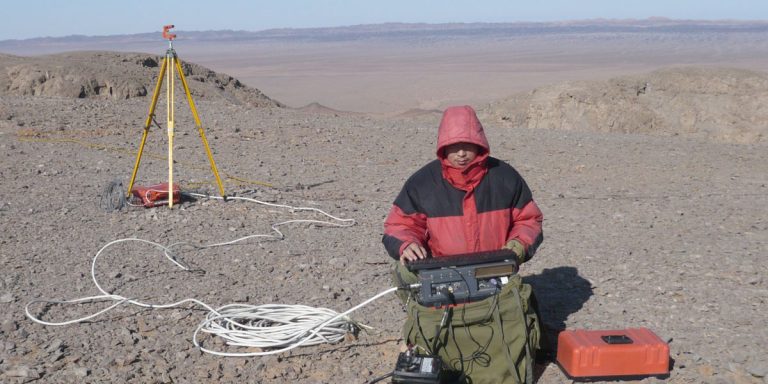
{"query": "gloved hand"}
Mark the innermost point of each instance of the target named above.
(517, 247)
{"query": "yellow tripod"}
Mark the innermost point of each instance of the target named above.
(171, 62)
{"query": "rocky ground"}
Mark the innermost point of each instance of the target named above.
(664, 232)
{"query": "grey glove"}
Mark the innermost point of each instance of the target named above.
(517, 247)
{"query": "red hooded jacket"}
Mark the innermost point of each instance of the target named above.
(451, 211)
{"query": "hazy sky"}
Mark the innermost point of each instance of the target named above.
(38, 18)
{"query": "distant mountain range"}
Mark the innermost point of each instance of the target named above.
(403, 31)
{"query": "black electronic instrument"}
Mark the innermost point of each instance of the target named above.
(463, 278)
(417, 369)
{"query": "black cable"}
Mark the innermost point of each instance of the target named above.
(478, 355)
(113, 196)
(156, 123)
(461, 355)
(442, 324)
(380, 378)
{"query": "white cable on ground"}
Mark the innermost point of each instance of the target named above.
(336, 221)
(275, 327)
(278, 326)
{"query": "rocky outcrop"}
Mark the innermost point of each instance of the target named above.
(114, 75)
(715, 103)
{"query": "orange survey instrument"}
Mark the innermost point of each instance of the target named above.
(626, 352)
(166, 34)
(156, 195)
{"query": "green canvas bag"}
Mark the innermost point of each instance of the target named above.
(488, 341)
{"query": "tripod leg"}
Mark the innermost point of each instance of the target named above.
(171, 123)
(147, 124)
(200, 128)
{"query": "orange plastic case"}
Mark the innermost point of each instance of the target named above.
(156, 195)
(626, 352)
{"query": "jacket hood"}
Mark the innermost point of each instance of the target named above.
(460, 125)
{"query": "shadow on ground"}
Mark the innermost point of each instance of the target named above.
(559, 292)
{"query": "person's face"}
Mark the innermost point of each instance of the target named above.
(460, 155)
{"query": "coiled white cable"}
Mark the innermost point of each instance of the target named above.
(278, 326)
(275, 327)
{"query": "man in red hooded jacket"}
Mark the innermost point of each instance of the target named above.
(464, 201)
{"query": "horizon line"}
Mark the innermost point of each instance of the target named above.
(592, 20)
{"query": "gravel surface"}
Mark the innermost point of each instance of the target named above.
(663, 232)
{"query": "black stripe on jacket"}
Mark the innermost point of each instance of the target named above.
(429, 193)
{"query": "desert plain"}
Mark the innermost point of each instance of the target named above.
(643, 142)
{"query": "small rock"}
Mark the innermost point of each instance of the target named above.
(231, 369)
(9, 326)
(242, 298)
(267, 361)
(338, 262)
(291, 373)
(758, 368)
(142, 326)
(56, 356)
(80, 372)
(739, 355)
(22, 371)
(165, 378)
(7, 298)
(55, 346)
(74, 357)
(706, 370)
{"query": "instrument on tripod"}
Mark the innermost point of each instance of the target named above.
(171, 64)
